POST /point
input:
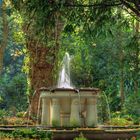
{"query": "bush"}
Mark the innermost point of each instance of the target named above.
(20, 114)
(138, 135)
(55, 123)
(80, 137)
(13, 93)
(74, 123)
(5, 135)
(2, 113)
(31, 133)
(120, 121)
(132, 107)
(3, 120)
(103, 108)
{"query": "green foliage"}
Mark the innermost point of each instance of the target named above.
(13, 93)
(27, 134)
(80, 137)
(120, 122)
(18, 122)
(74, 123)
(132, 107)
(96, 60)
(20, 114)
(55, 123)
(69, 28)
(3, 114)
(4, 135)
(95, 36)
(138, 135)
(31, 133)
(103, 108)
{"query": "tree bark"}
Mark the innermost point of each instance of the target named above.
(42, 64)
(4, 41)
(40, 72)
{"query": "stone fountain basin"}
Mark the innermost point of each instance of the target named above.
(70, 105)
(65, 96)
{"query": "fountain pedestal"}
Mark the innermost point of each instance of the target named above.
(67, 106)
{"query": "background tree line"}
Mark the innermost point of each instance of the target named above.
(102, 36)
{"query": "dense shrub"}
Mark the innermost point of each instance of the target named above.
(27, 134)
(120, 122)
(3, 120)
(132, 107)
(103, 108)
(31, 133)
(13, 93)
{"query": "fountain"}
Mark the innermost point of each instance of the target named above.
(64, 75)
(66, 106)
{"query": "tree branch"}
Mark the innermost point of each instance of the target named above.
(131, 13)
(128, 5)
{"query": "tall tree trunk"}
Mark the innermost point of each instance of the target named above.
(4, 41)
(121, 63)
(42, 64)
(40, 73)
(136, 67)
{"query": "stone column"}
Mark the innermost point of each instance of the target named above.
(75, 116)
(55, 112)
(91, 117)
(45, 119)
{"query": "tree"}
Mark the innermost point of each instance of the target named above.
(42, 27)
(5, 31)
(43, 23)
(109, 60)
(134, 6)
(137, 53)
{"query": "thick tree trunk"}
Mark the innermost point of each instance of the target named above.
(40, 72)
(42, 64)
(121, 64)
(3, 43)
